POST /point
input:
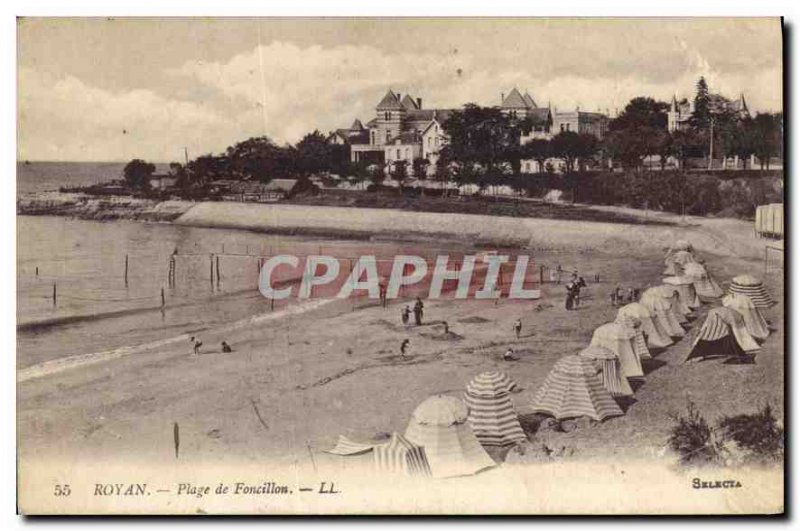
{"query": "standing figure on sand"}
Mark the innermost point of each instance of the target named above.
(418, 311)
(405, 313)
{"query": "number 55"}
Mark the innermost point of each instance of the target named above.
(62, 490)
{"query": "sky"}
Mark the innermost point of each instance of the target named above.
(100, 89)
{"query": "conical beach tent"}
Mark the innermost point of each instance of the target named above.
(609, 369)
(657, 337)
(682, 245)
(686, 293)
(718, 336)
(619, 339)
(639, 342)
(754, 322)
(401, 456)
(704, 285)
(572, 389)
(491, 412)
(439, 425)
(662, 312)
(752, 287)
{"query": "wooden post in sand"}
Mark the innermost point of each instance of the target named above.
(126, 270)
(37, 271)
(163, 300)
(217, 270)
(54, 293)
(211, 268)
(541, 275)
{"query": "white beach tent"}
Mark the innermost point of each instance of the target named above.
(670, 293)
(752, 287)
(703, 283)
(723, 334)
(754, 322)
(619, 339)
(352, 455)
(572, 389)
(657, 337)
(491, 412)
(686, 292)
(439, 424)
(609, 369)
(662, 312)
(639, 342)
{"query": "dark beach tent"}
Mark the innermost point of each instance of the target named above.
(491, 411)
(657, 337)
(723, 334)
(704, 285)
(619, 339)
(752, 287)
(573, 390)
(609, 370)
(401, 456)
(754, 322)
(439, 424)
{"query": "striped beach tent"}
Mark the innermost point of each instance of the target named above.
(722, 334)
(352, 455)
(754, 322)
(662, 312)
(491, 412)
(704, 285)
(572, 389)
(609, 369)
(639, 341)
(401, 456)
(657, 337)
(439, 424)
(686, 293)
(752, 287)
(619, 339)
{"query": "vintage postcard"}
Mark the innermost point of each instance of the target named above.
(400, 266)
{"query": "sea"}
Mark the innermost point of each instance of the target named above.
(87, 288)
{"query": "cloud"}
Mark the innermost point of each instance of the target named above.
(66, 119)
(284, 90)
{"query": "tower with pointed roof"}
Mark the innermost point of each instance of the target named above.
(390, 115)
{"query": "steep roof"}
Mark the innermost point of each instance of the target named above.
(409, 103)
(529, 100)
(540, 115)
(514, 100)
(357, 126)
(389, 103)
(408, 137)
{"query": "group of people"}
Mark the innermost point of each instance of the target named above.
(620, 296)
(419, 310)
(196, 344)
(574, 291)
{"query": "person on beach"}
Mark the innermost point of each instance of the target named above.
(419, 308)
(196, 344)
(517, 327)
(570, 295)
(558, 273)
(636, 293)
(509, 355)
(382, 291)
(405, 313)
(404, 347)
(630, 295)
(446, 328)
(226, 348)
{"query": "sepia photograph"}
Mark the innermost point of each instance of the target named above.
(400, 266)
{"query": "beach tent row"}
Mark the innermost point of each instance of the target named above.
(769, 220)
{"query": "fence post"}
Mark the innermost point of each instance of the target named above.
(217, 270)
(126, 270)
(54, 293)
(163, 300)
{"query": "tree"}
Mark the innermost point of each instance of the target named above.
(399, 172)
(701, 117)
(482, 136)
(684, 144)
(316, 155)
(641, 112)
(767, 137)
(259, 158)
(137, 174)
(574, 148)
(539, 150)
(420, 167)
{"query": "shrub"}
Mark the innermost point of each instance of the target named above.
(758, 435)
(693, 439)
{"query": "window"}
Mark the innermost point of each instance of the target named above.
(568, 127)
(408, 153)
(388, 136)
(430, 142)
(398, 154)
(387, 116)
(562, 128)
(372, 138)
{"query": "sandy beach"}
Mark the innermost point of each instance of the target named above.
(341, 367)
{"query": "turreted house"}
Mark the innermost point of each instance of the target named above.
(680, 111)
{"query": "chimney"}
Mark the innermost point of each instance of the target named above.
(502, 97)
(419, 103)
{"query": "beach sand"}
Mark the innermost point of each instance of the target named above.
(293, 385)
